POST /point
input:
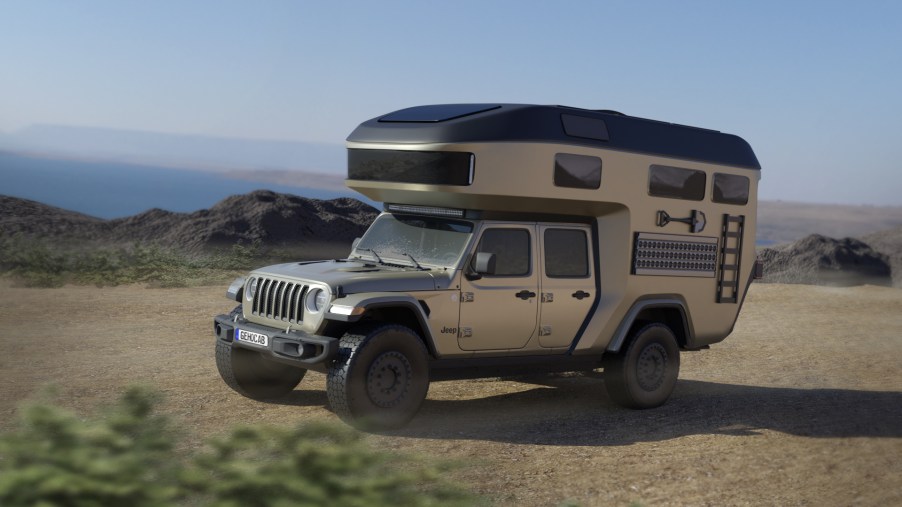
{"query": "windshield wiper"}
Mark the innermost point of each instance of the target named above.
(378, 259)
(417, 264)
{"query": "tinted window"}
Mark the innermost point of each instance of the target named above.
(731, 189)
(577, 171)
(427, 167)
(675, 182)
(511, 249)
(566, 253)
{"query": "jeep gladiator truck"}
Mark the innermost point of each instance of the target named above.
(514, 239)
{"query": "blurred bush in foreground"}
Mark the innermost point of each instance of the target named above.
(126, 456)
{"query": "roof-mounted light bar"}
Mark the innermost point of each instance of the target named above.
(425, 210)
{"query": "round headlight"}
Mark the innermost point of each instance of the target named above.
(251, 290)
(316, 300)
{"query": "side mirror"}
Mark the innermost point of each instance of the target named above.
(354, 244)
(485, 263)
(482, 264)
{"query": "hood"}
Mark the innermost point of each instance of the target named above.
(355, 276)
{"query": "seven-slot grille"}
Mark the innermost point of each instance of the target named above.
(280, 300)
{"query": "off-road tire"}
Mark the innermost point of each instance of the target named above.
(252, 375)
(379, 378)
(644, 372)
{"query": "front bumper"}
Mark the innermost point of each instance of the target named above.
(293, 347)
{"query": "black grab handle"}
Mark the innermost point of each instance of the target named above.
(525, 294)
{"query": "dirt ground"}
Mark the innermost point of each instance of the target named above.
(802, 405)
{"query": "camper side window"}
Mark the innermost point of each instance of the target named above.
(730, 189)
(511, 249)
(577, 171)
(676, 183)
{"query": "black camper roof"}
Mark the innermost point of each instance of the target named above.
(462, 123)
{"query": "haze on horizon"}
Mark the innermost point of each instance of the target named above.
(813, 86)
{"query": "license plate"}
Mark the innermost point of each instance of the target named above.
(252, 338)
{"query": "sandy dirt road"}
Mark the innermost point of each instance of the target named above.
(802, 405)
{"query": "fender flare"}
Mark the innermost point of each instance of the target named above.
(353, 307)
(623, 329)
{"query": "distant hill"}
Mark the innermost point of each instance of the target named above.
(784, 222)
(800, 246)
(819, 260)
(277, 220)
(889, 243)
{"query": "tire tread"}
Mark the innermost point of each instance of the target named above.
(354, 343)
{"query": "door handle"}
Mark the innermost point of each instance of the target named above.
(525, 294)
(580, 295)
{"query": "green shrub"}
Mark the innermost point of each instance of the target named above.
(315, 465)
(126, 456)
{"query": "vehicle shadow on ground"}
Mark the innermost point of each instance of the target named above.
(303, 398)
(578, 411)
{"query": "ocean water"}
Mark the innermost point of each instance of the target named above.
(113, 190)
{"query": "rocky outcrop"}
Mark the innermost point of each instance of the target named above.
(820, 260)
(889, 243)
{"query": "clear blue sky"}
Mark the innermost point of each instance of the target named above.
(815, 87)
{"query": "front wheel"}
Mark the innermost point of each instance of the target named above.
(252, 375)
(380, 377)
(644, 373)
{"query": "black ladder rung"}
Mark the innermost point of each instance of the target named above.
(731, 244)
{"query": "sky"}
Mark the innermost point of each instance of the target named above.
(814, 87)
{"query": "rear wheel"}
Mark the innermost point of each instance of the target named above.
(644, 373)
(379, 378)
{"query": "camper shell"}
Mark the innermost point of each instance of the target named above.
(514, 238)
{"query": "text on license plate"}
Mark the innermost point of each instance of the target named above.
(253, 338)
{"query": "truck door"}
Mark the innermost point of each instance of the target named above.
(499, 312)
(567, 282)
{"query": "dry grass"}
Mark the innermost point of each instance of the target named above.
(802, 405)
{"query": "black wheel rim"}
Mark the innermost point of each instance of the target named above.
(388, 379)
(651, 366)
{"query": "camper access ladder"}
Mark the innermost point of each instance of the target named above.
(730, 256)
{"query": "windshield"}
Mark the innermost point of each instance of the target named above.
(412, 240)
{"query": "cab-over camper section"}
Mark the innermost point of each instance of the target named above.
(673, 207)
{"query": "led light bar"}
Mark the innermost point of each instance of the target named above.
(426, 210)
